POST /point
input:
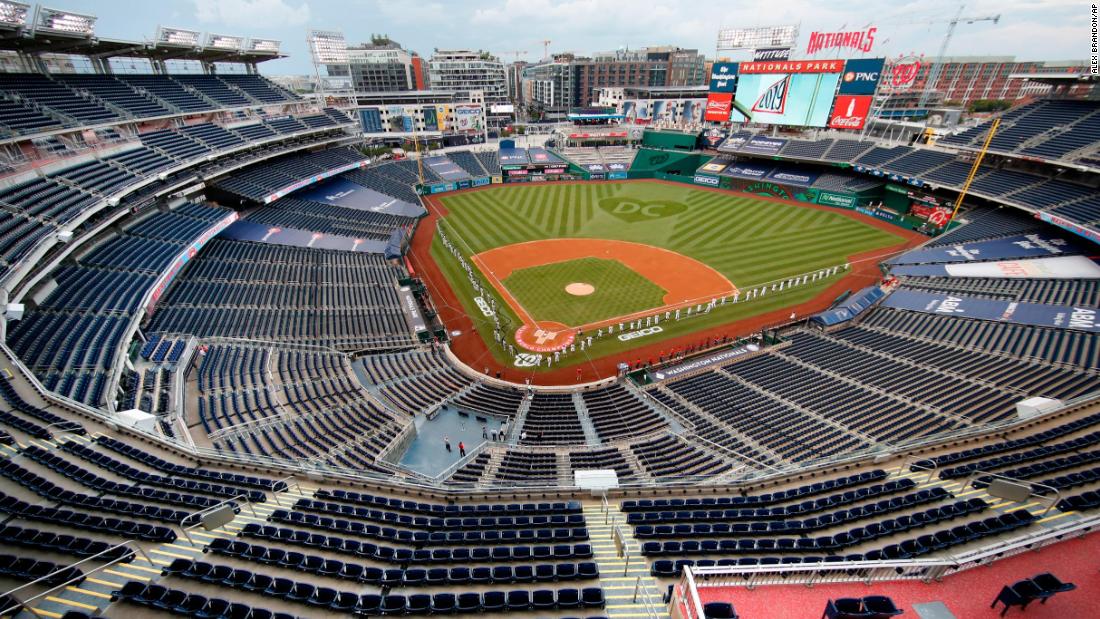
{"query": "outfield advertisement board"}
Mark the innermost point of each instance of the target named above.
(797, 92)
(1036, 314)
(763, 145)
(709, 181)
(842, 200)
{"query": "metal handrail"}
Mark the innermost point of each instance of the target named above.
(926, 570)
(82, 576)
(184, 526)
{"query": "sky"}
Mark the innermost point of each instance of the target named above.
(1028, 29)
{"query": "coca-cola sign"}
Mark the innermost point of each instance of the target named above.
(850, 111)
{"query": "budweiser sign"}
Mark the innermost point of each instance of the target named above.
(718, 107)
(850, 111)
(859, 40)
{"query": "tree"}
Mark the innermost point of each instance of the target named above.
(989, 105)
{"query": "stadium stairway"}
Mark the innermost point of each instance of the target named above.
(491, 467)
(674, 425)
(626, 583)
(590, 436)
(515, 426)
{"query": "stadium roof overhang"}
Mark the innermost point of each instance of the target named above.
(95, 47)
(1056, 79)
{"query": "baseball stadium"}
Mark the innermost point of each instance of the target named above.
(804, 329)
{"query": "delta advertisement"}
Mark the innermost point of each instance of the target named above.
(1036, 314)
(796, 93)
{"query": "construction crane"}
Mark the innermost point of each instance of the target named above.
(515, 54)
(546, 48)
(937, 64)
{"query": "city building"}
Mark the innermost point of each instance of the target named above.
(383, 66)
(566, 81)
(465, 71)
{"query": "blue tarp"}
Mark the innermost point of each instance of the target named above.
(513, 156)
(851, 308)
(294, 237)
(446, 169)
(342, 192)
(1035, 314)
(395, 248)
(1020, 246)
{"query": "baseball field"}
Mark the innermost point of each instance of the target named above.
(579, 257)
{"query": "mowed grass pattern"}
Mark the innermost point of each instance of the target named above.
(750, 241)
(619, 291)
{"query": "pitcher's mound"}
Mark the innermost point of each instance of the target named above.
(579, 289)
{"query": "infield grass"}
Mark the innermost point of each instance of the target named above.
(751, 241)
(618, 291)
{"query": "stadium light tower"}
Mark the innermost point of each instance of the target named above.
(937, 65)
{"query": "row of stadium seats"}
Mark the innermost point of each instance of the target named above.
(36, 102)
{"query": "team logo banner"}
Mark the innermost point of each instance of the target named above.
(723, 77)
(861, 76)
(850, 111)
(771, 53)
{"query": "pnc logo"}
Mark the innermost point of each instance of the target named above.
(632, 211)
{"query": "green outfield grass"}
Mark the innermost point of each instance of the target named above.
(618, 291)
(751, 241)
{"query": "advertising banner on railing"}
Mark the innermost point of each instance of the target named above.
(1035, 314)
(1062, 267)
(763, 145)
(1072, 226)
(1038, 245)
(184, 257)
(316, 178)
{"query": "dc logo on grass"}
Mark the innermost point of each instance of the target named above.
(631, 211)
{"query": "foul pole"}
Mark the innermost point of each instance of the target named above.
(974, 169)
